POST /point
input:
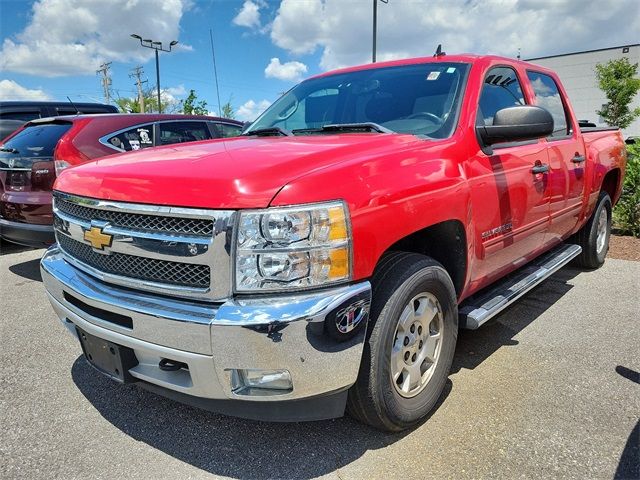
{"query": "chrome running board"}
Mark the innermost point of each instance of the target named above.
(480, 308)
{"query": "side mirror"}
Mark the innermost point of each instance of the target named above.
(513, 124)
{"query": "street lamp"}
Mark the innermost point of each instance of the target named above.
(375, 28)
(157, 46)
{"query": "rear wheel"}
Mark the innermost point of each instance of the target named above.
(411, 340)
(594, 236)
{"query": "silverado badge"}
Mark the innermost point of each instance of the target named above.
(97, 238)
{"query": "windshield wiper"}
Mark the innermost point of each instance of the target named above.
(10, 150)
(347, 127)
(267, 131)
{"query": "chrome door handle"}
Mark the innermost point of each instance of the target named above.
(578, 159)
(542, 168)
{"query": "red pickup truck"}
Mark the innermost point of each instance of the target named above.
(327, 257)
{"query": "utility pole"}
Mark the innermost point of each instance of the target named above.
(137, 73)
(375, 28)
(105, 80)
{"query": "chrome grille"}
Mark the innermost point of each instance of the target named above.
(148, 269)
(137, 221)
(178, 251)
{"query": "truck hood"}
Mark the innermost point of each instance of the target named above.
(242, 172)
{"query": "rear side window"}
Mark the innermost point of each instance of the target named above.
(34, 142)
(548, 97)
(501, 89)
(181, 132)
(22, 116)
(228, 130)
(135, 138)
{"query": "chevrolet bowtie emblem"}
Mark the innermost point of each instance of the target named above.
(97, 239)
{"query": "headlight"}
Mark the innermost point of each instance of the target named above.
(293, 248)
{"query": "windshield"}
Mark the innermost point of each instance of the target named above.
(420, 99)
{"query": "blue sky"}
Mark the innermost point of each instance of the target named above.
(241, 57)
(51, 48)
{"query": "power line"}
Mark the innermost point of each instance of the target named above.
(105, 80)
(137, 74)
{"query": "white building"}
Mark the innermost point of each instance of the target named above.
(577, 73)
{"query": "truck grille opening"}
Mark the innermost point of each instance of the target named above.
(141, 268)
(138, 221)
(100, 313)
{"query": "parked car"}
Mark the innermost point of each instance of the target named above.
(13, 114)
(31, 158)
(327, 257)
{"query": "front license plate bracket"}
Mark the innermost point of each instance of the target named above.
(109, 358)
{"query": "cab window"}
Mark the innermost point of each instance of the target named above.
(181, 132)
(548, 97)
(501, 89)
(135, 138)
(226, 130)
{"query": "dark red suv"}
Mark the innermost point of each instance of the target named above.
(31, 158)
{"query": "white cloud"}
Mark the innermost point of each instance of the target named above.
(249, 15)
(289, 71)
(409, 29)
(72, 37)
(250, 110)
(10, 90)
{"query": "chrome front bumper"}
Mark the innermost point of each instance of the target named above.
(284, 332)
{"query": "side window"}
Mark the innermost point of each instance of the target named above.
(181, 132)
(135, 138)
(501, 89)
(23, 116)
(227, 130)
(548, 97)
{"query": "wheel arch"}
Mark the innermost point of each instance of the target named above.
(445, 242)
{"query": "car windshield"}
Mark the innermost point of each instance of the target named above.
(421, 99)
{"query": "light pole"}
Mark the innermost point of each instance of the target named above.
(375, 28)
(157, 46)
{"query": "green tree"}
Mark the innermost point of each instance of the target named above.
(131, 104)
(619, 81)
(227, 110)
(192, 106)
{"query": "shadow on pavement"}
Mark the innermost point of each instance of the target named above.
(29, 270)
(629, 464)
(248, 449)
(226, 445)
(475, 346)
(7, 248)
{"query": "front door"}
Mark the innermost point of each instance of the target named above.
(510, 202)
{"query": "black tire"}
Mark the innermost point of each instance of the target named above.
(587, 236)
(373, 399)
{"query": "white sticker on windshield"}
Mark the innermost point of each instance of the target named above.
(433, 76)
(451, 69)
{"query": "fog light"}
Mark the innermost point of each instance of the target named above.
(276, 381)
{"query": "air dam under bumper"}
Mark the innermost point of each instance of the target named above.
(268, 332)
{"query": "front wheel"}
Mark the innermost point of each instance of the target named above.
(594, 236)
(410, 343)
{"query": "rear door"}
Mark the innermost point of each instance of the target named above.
(510, 202)
(567, 158)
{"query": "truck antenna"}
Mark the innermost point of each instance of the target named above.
(73, 105)
(439, 52)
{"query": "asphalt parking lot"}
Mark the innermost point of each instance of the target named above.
(549, 389)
